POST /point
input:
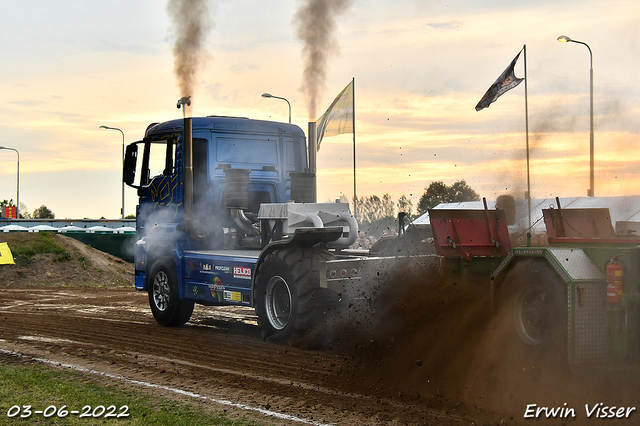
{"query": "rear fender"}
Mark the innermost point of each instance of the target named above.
(306, 237)
(571, 264)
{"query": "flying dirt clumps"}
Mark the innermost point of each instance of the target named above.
(438, 340)
(426, 332)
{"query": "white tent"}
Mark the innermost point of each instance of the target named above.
(13, 228)
(71, 228)
(99, 229)
(44, 228)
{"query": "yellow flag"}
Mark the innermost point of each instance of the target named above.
(6, 258)
(338, 118)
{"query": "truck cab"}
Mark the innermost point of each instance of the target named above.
(270, 152)
(227, 216)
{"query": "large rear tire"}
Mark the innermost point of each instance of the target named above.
(167, 308)
(287, 298)
(535, 301)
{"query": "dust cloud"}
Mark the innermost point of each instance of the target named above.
(435, 340)
(315, 25)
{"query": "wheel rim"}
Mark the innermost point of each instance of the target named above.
(161, 291)
(533, 315)
(278, 301)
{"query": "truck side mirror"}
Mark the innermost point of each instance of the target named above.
(129, 166)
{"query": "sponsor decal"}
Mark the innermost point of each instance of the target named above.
(216, 289)
(195, 290)
(206, 268)
(234, 296)
(222, 268)
(242, 272)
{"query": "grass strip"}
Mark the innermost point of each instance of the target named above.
(58, 393)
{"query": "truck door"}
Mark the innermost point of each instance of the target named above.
(156, 179)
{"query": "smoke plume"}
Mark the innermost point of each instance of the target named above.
(316, 22)
(191, 21)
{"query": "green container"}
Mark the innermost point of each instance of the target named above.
(116, 244)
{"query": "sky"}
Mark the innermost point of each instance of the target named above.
(420, 67)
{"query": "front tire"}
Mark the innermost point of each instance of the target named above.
(167, 308)
(287, 298)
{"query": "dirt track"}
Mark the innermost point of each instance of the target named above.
(219, 354)
(435, 357)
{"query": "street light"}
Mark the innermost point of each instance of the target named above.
(269, 95)
(17, 181)
(115, 128)
(565, 39)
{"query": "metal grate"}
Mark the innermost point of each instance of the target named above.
(588, 323)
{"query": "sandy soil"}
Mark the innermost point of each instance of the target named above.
(87, 266)
(218, 353)
(429, 355)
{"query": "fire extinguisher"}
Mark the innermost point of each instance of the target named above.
(615, 280)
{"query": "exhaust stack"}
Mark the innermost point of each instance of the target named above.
(188, 171)
(187, 195)
(312, 137)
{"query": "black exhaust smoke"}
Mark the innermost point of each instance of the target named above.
(316, 23)
(191, 23)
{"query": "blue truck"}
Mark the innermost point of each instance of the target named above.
(227, 216)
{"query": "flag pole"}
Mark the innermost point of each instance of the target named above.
(526, 113)
(355, 196)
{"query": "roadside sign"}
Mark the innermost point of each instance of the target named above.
(6, 258)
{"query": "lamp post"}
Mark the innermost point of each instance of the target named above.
(565, 39)
(269, 95)
(17, 181)
(115, 128)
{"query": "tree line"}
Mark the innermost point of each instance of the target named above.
(42, 212)
(374, 208)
